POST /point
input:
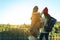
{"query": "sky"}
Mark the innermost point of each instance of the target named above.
(19, 11)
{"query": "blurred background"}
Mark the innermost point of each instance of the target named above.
(15, 18)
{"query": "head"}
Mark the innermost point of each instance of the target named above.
(45, 12)
(35, 9)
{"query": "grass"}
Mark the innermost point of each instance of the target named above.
(17, 32)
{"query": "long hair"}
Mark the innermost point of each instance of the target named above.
(35, 9)
(36, 22)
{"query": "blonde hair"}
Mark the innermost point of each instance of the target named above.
(35, 9)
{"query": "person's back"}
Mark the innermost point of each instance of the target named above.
(36, 17)
(36, 22)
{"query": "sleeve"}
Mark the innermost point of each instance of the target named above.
(44, 20)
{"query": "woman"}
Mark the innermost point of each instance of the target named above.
(45, 18)
(36, 23)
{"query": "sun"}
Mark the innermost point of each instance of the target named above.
(17, 15)
(18, 18)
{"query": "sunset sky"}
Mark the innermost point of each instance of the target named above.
(19, 11)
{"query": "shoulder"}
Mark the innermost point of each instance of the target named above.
(38, 12)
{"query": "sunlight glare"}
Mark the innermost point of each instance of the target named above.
(17, 15)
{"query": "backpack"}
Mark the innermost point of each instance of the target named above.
(50, 24)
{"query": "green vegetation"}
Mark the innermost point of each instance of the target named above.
(13, 32)
(20, 32)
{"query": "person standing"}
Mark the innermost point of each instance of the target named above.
(45, 18)
(49, 22)
(36, 23)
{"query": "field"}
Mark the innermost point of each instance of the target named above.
(20, 32)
